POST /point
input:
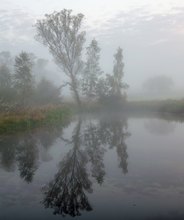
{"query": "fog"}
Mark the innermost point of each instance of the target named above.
(150, 33)
(91, 109)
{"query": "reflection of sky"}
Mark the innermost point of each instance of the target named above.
(159, 127)
(153, 184)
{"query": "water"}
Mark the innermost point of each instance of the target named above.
(96, 167)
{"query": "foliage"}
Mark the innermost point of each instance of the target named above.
(92, 70)
(46, 93)
(109, 88)
(5, 77)
(116, 80)
(6, 89)
(6, 93)
(39, 68)
(60, 32)
(18, 89)
(23, 79)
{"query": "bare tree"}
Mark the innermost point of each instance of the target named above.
(60, 32)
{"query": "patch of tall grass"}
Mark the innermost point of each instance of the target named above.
(33, 117)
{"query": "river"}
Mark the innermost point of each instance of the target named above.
(106, 166)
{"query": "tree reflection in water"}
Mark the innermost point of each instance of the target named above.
(7, 152)
(114, 132)
(27, 157)
(67, 192)
(95, 151)
(23, 150)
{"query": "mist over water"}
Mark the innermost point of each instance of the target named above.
(91, 109)
(104, 166)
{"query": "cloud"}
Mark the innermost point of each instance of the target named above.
(139, 23)
(16, 26)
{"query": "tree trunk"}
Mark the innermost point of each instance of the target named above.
(77, 98)
(75, 90)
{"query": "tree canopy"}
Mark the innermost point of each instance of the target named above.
(61, 33)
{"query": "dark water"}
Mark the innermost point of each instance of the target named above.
(97, 167)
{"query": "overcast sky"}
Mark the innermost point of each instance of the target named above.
(151, 33)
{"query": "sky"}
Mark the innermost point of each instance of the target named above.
(151, 33)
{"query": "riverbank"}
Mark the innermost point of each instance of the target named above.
(51, 115)
(170, 106)
(33, 117)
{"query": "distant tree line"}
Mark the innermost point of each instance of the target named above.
(158, 85)
(18, 84)
(61, 33)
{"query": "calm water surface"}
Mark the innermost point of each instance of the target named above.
(96, 167)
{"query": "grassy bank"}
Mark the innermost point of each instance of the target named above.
(157, 106)
(32, 118)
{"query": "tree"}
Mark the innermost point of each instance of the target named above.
(5, 76)
(60, 32)
(23, 77)
(47, 92)
(92, 70)
(109, 88)
(159, 85)
(6, 91)
(39, 69)
(5, 84)
(116, 80)
(103, 89)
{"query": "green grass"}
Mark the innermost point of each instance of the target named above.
(32, 118)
